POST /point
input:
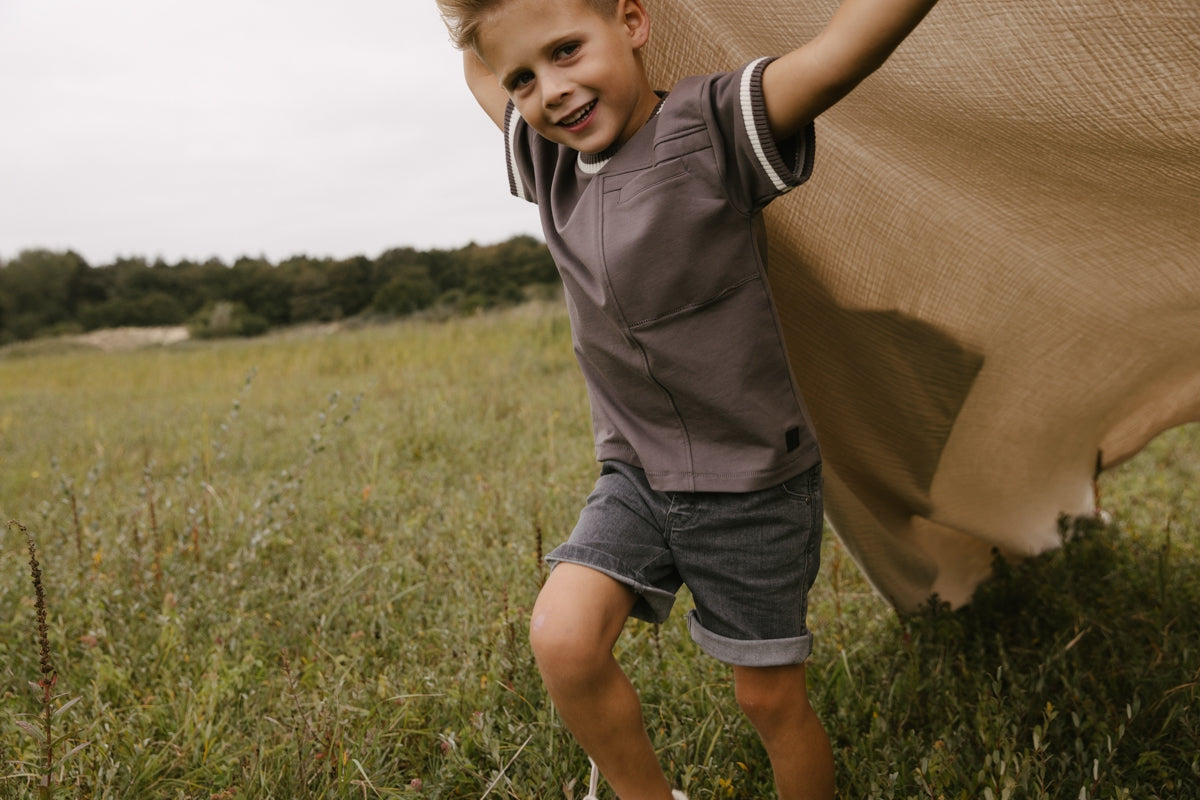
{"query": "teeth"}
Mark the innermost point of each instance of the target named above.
(583, 112)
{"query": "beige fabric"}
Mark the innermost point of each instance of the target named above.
(992, 281)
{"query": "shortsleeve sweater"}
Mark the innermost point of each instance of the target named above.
(662, 253)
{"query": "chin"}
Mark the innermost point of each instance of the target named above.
(591, 144)
(594, 145)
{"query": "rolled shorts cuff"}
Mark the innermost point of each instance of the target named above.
(750, 652)
(653, 604)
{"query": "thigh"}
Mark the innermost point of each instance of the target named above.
(750, 561)
(620, 533)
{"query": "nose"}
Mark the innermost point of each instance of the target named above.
(556, 88)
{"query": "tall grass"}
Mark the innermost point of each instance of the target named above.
(300, 567)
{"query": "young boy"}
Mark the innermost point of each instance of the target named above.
(650, 203)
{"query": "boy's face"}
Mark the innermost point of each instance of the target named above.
(574, 75)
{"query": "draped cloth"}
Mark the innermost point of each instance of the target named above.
(991, 285)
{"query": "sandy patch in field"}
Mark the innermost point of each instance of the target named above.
(111, 339)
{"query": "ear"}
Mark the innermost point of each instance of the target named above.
(635, 19)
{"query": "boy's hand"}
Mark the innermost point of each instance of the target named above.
(486, 88)
(858, 39)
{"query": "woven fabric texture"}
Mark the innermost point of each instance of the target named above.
(991, 285)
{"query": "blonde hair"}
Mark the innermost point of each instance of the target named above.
(463, 17)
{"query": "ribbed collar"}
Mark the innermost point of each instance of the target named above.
(591, 163)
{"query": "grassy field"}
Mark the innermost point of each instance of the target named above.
(300, 567)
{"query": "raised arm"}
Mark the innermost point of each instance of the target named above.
(483, 84)
(858, 39)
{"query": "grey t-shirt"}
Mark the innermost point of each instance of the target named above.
(661, 249)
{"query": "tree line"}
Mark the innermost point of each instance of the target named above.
(46, 293)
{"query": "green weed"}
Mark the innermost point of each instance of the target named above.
(301, 567)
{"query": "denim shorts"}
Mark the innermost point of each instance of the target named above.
(748, 558)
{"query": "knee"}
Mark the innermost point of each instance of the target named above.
(576, 620)
(773, 702)
(761, 703)
(563, 652)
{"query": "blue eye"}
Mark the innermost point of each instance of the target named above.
(521, 79)
(568, 50)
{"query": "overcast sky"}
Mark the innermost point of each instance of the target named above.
(172, 129)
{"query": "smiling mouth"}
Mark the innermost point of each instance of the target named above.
(579, 116)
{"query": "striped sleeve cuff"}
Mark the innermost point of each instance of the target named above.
(784, 176)
(511, 123)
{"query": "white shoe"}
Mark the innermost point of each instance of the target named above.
(594, 784)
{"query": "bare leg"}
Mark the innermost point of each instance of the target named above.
(576, 621)
(776, 701)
